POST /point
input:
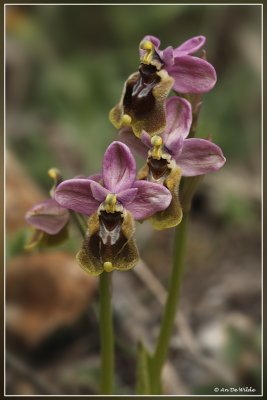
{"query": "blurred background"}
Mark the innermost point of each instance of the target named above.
(65, 67)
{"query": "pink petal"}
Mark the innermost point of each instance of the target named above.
(150, 198)
(200, 156)
(98, 191)
(119, 168)
(192, 75)
(167, 56)
(190, 46)
(76, 194)
(153, 39)
(95, 177)
(127, 136)
(48, 216)
(146, 139)
(179, 120)
(127, 196)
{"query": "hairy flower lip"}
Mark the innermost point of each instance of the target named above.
(110, 220)
(110, 226)
(108, 250)
(158, 168)
(142, 105)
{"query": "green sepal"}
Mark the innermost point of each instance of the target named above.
(42, 239)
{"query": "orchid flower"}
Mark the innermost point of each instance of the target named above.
(191, 74)
(142, 103)
(173, 155)
(112, 204)
(48, 218)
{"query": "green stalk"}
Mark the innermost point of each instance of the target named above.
(106, 334)
(79, 222)
(158, 358)
(106, 325)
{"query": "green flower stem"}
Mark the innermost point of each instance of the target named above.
(106, 325)
(106, 334)
(158, 358)
(79, 222)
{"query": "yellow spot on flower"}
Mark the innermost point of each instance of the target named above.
(126, 120)
(110, 202)
(53, 173)
(149, 48)
(108, 267)
(156, 142)
(147, 45)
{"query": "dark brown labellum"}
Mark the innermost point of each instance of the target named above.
(109, 240)
(138, 97)
(158, 168)
(110, 220)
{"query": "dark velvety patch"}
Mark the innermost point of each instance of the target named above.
(109, 252)
(111, 220)
(123, 253)
(138, 98)
(158, 168)
(95, 246)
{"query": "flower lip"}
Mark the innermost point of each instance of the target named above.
(139, 92)
(110, 220)
(142, 102)
(158, 167)
(108, 246)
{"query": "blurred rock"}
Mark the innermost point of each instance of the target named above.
(21, 194)
(44, 292)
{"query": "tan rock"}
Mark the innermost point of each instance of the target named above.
(45, 291)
